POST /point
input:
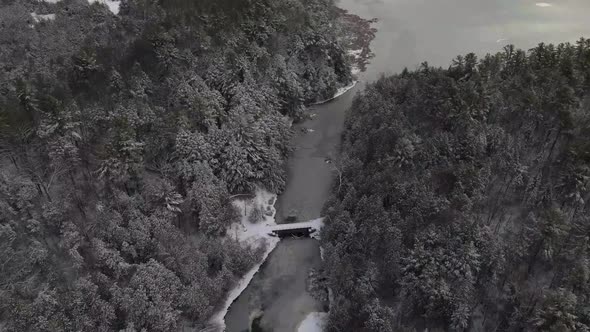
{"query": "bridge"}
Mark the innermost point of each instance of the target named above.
(297, 229)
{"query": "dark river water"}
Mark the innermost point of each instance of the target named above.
(279, 289)
(410, 32)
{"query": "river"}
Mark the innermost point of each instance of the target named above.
(410, 32)
(280, 287)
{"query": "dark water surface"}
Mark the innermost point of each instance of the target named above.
(410, 32)
(309, 176)
(413, 31)
(279, 289)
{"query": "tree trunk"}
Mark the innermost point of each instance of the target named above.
(553, 146)
(13, 159)
(47, 193)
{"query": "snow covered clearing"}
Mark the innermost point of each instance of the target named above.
(252, 233)
(314, 322)
(112, 4)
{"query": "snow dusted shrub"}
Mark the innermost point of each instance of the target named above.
(317, 286)
(256, 215)
(269, 212)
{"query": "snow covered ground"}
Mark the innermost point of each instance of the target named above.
(253, 233)
(42, 17)
(344, 90)
(314, 322)
(112, 4)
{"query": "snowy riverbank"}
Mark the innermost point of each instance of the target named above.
(253, 235)
(338, 93)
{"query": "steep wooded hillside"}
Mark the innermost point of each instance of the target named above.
(464, 202)
(122, 139)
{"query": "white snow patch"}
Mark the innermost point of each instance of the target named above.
(313, 322)
(253, 235)
(338, 93)
(355, 53)
(112, 4)
(42, 17)
(543, 4)
(345, 89)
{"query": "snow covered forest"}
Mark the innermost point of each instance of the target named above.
(123, 138)
(465, 198)
(134, 134)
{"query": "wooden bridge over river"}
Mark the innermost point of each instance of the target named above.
(298, 229)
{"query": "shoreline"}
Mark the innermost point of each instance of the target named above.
(339, 93)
